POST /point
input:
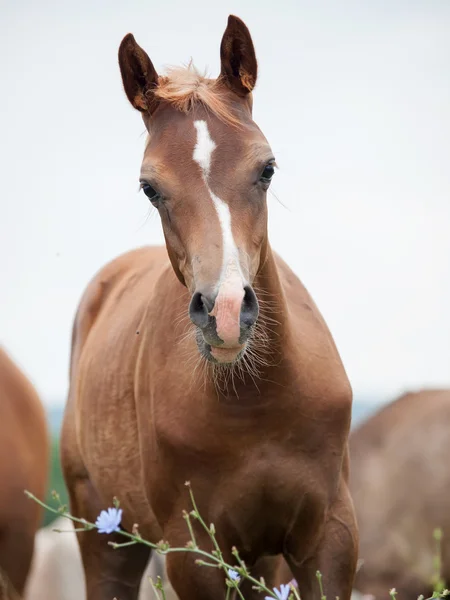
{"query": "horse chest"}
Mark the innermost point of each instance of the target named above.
(254, 496)
(257, 507)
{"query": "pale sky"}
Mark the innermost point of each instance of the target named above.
(354, 98)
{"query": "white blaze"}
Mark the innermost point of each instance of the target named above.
(203, 150)
(204, 147)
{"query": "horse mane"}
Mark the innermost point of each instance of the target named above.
(185, 87)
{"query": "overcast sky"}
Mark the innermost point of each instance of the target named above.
(354, 98)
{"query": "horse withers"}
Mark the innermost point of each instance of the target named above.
(208, 361)
(24, 451)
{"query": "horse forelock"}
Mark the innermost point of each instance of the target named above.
(185, 87)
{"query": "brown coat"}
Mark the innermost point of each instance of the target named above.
(24, 452)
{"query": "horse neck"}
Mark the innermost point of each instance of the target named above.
(267, 281)
(272, 328)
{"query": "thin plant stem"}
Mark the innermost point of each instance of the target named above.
(124, 545)
(319, 579)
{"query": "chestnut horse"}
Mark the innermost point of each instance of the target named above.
(400, 482)
(208, 361)
(24, 451)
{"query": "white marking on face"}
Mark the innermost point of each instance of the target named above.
(204, 147)
(203, 150)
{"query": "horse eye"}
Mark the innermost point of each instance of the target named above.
(268, 172)
(150, 192)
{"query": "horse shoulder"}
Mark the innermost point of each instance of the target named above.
(102, 288)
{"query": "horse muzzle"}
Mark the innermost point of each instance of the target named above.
(225, 320)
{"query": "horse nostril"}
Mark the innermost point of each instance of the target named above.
(250, 308)
(198, 310)
(207, 303)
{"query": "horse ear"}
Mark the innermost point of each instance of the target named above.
(139, 76)
(239, 68)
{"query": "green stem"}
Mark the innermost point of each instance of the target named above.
(242, 597)
(124, 545)
(58, 512)
(187, 518)
(319, 579)
(157, 588)
(74, 530)
(296, 594)
(203, 563)
(203, 524)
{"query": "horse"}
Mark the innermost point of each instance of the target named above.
(206, 360)
(24, 448)
(400, 483)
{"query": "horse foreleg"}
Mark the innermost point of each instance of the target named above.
(335, 557)
(109, 573)
(191, 581)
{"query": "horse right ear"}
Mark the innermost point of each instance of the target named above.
(138, 75)
(239, 68)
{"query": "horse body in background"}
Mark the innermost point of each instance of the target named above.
(208, 361)
(24, 452)
(400, 483)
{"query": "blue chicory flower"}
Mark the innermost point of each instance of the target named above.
(233, 575)
(109, 521)
(282, 593)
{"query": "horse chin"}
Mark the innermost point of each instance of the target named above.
(227, 356)
(218, 355)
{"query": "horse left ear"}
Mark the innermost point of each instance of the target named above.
(239, 68)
